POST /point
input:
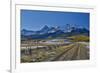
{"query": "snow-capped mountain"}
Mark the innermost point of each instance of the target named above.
(46, 31)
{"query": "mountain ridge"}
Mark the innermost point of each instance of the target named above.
(52, 32)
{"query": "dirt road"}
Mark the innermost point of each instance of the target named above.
(75, 52)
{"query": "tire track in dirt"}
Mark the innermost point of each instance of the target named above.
(75, 52)
(63, 54)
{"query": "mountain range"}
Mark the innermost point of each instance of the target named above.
(52, 32)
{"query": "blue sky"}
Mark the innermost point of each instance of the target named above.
(35, 20)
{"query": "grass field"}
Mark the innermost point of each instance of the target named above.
(55, 52)
(79, 38)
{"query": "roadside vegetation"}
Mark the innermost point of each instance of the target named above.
(79, 38)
